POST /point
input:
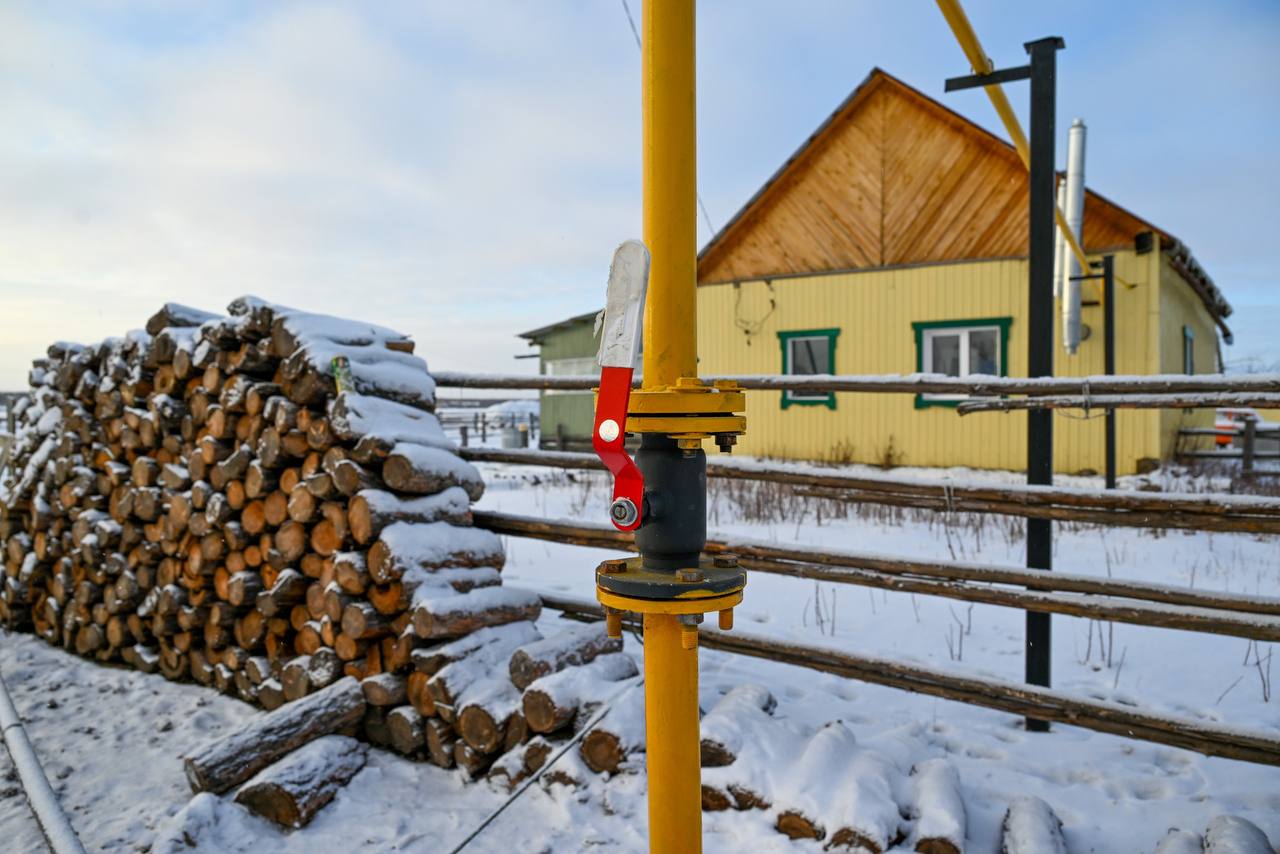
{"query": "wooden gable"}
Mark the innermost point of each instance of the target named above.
(892, 177)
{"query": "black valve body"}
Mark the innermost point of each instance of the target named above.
(674, 531)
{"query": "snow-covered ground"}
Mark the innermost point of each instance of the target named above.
(112, 740)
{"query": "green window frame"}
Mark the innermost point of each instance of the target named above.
(1188, 350)
(922, 330)
(787, 341)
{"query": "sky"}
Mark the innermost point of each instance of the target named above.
(461, 171)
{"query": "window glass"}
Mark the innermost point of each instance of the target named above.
(984, 352)
(811, 355)
(959, 350)
(946, 354)
(805, 353)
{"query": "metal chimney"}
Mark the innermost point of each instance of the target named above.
(1075, 221)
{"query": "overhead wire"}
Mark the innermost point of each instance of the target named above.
(706, 217)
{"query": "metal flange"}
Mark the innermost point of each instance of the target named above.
(630, 578)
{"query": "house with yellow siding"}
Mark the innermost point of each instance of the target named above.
(894, 241)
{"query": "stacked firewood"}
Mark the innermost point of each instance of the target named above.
(262, 502)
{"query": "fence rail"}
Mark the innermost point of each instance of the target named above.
(1209, 512)
(1249, 745)
(1267, 385)
(1246, 617)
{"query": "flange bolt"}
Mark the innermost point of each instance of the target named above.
(725, 560)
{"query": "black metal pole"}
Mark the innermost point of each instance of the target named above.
(1109, 356)
(1040, 336)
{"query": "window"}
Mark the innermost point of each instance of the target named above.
(1188, 350)
(960, 348)
(573, 366)
(809, 351)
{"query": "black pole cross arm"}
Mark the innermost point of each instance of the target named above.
(991, 78)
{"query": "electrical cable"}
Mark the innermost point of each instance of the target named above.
(533, 778)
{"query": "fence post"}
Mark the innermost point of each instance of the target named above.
(560, 436)
(484, 429)
(1250, 437)
(462, 431)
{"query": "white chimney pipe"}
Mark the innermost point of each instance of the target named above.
(1059, 244)
(1075, 221)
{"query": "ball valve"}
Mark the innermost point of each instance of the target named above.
(619, 347)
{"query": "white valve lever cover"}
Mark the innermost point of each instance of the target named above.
(623, 313)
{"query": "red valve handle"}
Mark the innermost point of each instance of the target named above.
(608, 438)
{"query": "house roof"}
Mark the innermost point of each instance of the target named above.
(894, 177)
(535, 335)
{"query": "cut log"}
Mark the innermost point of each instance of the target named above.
(941, 823)
(175, 315)
(358, 417)
(421, 470)
(1031, 827)
(805, 803)
(1180, 842)
(430, 660)
(862, 807)
(405, 726)
(740, 717)
(441, 741)
(1231, 834)
(372, 510)
(619, 734)
(480, 661)
(485, 712)
(293, 790)
(553, 701)
(384, 689)
(235, 758)
(434, 545)
(576, 645)
(455, 616)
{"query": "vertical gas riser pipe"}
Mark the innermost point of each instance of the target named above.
(675, 533)
(670, 190)
(1075, 221)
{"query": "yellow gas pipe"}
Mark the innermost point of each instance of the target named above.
(670, 352)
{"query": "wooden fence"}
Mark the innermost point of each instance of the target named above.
(1035, 591)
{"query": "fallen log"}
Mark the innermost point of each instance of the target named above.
(235, 758)
(293, 790)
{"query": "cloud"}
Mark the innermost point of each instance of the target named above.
(312, 158)
(462, 170)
